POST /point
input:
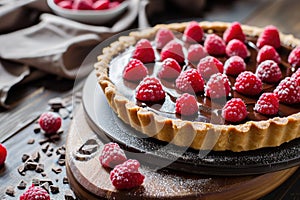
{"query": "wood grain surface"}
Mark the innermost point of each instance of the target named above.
(90, 180)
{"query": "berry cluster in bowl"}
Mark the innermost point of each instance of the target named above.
(88, 4)
(258, 77)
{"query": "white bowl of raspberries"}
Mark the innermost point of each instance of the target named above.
(89, 11)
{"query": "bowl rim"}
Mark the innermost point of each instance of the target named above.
(55, 7)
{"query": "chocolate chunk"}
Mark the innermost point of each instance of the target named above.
(45, 186)
(30, 141)
(36, 128)
(43, 174)
(36, 156)
(25, 157)
(30, 165)
(49, 154)
(65, 180)
(69, 195)
(56, 103)
(54, 189)
(21, 170)
(45, 147)
(43, 141)
(56, 170)
(64, 113)
(22, 185)
(70, 108)
(89, 147)
(10, 191)
(51, 149)
(60, 131)
(35, 182)
(39, 168)
(49, 181)
(71, 116)
(61, 162)
(54, 137)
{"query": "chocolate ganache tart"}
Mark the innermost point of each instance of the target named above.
(156, 111)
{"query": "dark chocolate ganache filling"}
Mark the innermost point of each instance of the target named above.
(209, 109)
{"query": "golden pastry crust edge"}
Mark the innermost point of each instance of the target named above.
(197, 135)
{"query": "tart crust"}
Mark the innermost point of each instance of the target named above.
(198, 135)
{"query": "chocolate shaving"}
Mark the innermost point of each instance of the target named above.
(10, 191)
(56, 170)
(61, 162)
(31, 141)
(25, 157)
(89, 147)
(22, 170)
(22, 185)
(45, 186)
(65, 180)
(36, 156)
(56, 103)
(45, 147)
(39, 168)
(54, 189)
(36, 128)
(49, 181)
(69, 195)
(30, 165)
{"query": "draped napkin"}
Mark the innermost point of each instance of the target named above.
(33, 41)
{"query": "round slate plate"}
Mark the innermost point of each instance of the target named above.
(158, 154)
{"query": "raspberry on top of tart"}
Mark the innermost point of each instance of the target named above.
(239, 63)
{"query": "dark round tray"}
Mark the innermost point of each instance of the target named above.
(159, 154)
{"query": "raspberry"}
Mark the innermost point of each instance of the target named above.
(172, 50)
(163, 36)
(234, 66)
(248, 83)
(150, 90)
(236, 48)
(65, 4)
(294, 57)
(50, 122)
(186, 105)
(234, 31)
(170, 69)
(144, 51)
(101, 5)
(214, 45)
(270, 36)
(234, 110)
(209, 66)
(268, 71)
(288, 91)
(35, 193)
(296, 75)
(83, 5)
(196, 52)
(193, 33)
(112, 155)
(135, 70)
(127, 175)
(190, 81)
(3, 154)
(268, 52)
(267, 104)
(217, 86)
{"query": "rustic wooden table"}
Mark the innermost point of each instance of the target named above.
(30, 100)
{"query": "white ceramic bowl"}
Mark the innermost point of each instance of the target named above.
(89, 16)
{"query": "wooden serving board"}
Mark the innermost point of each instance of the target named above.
(90, 180)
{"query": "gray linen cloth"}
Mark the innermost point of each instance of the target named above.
(36, 42)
